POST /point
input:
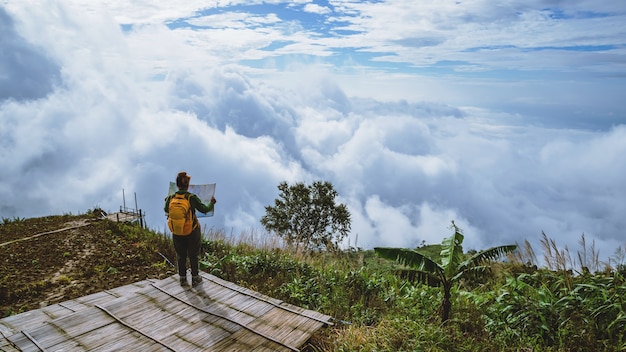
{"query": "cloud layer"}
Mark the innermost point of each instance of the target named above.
(103, 97)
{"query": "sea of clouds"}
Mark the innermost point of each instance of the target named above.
(85, 116)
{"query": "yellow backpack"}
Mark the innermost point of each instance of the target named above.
(180, 216)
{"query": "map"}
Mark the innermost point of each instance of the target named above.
(204, 192)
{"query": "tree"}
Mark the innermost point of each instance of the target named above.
(308, 216)
(453, 266)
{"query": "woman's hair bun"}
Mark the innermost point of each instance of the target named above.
(182, 180)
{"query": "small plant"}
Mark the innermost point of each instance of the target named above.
(97, 212)
(452, 268)
(16, 219)
(161, 265)
(64, 280)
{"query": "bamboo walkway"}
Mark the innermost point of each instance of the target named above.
(160, 315)
(124, 216)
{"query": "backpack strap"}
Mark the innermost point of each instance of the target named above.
(192, 210)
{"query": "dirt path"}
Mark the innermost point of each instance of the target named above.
(70, 226)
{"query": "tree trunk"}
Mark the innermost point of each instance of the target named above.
(445, 304)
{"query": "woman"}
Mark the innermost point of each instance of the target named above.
(188, 245)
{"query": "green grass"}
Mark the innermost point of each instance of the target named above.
(519, 308)
(375, 310)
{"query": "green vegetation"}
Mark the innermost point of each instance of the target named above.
(513, 307)
(6, 221)
(308, 216)
(453, 267)
(568, 305)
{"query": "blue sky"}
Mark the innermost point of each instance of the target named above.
(507, 117)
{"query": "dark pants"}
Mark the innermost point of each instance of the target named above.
(187, 246)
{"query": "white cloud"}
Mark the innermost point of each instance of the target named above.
(409, 152)
(393, 224)
(315, 8)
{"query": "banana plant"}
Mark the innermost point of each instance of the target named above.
(452, 268)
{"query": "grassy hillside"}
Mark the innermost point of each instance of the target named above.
(519, 308)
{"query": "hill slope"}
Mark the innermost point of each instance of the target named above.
(52, 259)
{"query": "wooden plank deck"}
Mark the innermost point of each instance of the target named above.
(160, 315)
(123, 216)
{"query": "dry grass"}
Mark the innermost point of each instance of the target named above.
(251, 238)
(585, 260)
